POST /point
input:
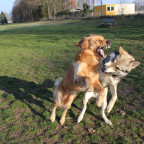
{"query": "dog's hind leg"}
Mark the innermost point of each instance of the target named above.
(87, 96)
(104, 104)
(67, 104)
(57, 101)
(113, 90)
(53, 115)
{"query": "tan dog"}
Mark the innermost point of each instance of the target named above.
(115, 67)
(82, 74)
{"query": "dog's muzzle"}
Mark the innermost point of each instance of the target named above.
(111, 58)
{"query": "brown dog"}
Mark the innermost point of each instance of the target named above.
(82, 74)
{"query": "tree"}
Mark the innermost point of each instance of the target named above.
(139, 5)
(71, 4)
(86, 8)
(26, 10)
(3, 18)
(93, 3)
(80, 3)
(31, 10)
(101, 8)
(122, 6)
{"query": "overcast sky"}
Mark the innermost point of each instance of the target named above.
(6, 5)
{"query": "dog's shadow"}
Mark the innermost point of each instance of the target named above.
(28, 92)
(31, 93)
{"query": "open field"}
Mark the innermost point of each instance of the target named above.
(33, 55)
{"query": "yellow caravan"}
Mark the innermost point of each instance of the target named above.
(115, 9)
(108, 10)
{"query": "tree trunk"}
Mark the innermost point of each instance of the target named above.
(54, 8)
(48, 11)
(93, 7)
(32, 15)
(101, 9)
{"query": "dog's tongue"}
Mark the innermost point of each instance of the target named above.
(102, 52)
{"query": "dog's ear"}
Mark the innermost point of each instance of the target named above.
(79, 44)
(134, 64)
(82, 43)
(122, 51)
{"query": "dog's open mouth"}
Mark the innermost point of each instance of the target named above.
(100, 51)
(108, 46)
(109, 59)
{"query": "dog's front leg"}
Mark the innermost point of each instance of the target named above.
(84, 81)
(86, 98)
(104, 104)
(67, 104)
(81, 76)
(113, 90)
(100, 90)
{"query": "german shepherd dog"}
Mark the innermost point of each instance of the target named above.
(115, 66)
(82, 74)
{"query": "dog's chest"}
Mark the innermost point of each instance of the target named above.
(107, 80)
(114, 80)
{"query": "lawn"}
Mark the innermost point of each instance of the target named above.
(33, 55)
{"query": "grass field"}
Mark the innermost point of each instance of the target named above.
(33, 55)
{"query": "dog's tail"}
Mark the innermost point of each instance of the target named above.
(57, 82)
(57, 95)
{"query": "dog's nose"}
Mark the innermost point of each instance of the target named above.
(108, 42)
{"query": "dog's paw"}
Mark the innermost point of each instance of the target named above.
(62, 121)
(109, 109)
(109, 122)
(79, 119)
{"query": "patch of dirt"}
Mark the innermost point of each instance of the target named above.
(128, 89)
(16, 134)
(18, 112)
(1, 100)
(45, 62)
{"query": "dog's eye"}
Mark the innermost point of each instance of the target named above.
(98, 40)
(117, 68)
(127, 71)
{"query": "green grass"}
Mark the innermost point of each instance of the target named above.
(33, 55)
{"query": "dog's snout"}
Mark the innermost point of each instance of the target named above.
(108, 42)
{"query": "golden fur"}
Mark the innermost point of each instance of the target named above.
(82, 75)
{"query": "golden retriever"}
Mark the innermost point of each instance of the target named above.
(82, 74)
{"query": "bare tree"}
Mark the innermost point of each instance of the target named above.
(71, 4)
(122, 6)
(80, 3)
(54, 8)
(139, 5)
(93, 3)
(48, 9)
(101, 8)
(31, 10)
